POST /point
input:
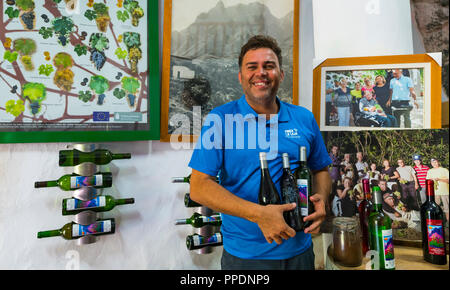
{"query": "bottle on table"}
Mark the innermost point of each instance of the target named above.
(364, 210)
(268, 193)
(74, 181)
(99, 157)
(72, 231)
(380, 234)
(197, 220)
(433, 231)
(103, 203)
(303, 178)
(196, 241)
(289, 194)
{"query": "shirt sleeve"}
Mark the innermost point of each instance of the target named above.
(208, 153)
(410, 83)
(319, 157)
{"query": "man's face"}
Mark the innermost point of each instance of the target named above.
(435, 163)
(359, 156)
(390, 201)
(334, 150)
(401, 163)
(417, 162)
(260, 74)
(397, 73)
(382, 185)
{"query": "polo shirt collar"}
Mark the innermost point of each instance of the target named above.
(245, 109)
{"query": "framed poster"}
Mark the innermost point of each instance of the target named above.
(385, 92)
(200, 56)
(79, 71)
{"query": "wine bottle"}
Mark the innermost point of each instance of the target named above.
(72, 231)
(364, 210)
(74, 181)
(71, 206)
(303, 179)
(433, 232)
(289, 194)
(196, 241)
(99, 157)
(187, 179)
(198, 221)
(268, 193)
(380, 233)
(188, 202)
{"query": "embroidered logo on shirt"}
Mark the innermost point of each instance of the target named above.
(292, 133)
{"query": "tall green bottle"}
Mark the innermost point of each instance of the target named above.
(198, 221)
(188, 202)
(73, 231)
(380, 234)
(196, 241)
(187, 179)
(99, 157)
(74, 181)
(303, 178)
(72, 206)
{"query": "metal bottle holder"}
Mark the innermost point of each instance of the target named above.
(86, 193)
(205, 231)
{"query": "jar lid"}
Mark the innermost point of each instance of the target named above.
(345, 223)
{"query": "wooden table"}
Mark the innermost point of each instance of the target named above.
(406, 258)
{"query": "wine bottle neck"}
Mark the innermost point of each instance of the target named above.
(121, 156)
(50, 183)
(181, 222)
(180, 180)
(48, 234)
(125, 201)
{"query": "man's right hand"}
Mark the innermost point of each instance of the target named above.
(270, 220)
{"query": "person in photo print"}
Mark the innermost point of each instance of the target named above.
(256, 237)
(401, 91)
(441, 183)
(421, 171)
(343, 102)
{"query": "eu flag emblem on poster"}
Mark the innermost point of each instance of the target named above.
(101, 116)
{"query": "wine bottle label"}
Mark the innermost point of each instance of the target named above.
(82, 181)
(210, 219)
(302, 185)
(214, 239)
(435, 233)
(74, 204)
(388, 246)
(96, 228)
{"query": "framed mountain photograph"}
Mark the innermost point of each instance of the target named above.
(200, 56)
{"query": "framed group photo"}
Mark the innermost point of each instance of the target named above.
(200, 56)
(73, 71)
(385, 92)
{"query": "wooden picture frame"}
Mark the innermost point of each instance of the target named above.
(177, 53)
(427, 65)
(81, 111)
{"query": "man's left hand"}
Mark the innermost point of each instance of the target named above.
(318, 216)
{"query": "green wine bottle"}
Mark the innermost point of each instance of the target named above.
(99, 157)
(303, 177)
(188, 202)
(72, 231)
(187, 179)
(380, 234)
(196, 241)
(71, 206)
(74, 181)
(198, 221)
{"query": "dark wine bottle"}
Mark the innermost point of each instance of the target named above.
(289, 194)
(197, 220)
(74, 181)
(268, 193)
(188, 202)
(364, 210)
(72, 231)
(433, 233)
(380, 234)
(303, 179)
(99, 157)
(196, 241)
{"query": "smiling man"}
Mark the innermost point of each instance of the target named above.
(254, 236)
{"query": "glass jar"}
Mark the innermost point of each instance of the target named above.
(347, 249)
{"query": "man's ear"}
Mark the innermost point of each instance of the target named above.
(240, 77)
(282, 76)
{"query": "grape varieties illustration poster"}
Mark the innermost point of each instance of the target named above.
(78, 70)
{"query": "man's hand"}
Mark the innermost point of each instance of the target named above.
(318, 216)
(271, 222)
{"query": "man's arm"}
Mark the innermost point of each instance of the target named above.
(388, 103)
(322, 188)
(270, 220)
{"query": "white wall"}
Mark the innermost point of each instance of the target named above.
(146, 237)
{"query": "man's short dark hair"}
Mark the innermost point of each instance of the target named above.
(261, 41)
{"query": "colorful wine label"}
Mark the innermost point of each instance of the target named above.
(435, 233)
(211, 219)
(214, 239)
(388, 246)
(74, 204)
(302, 185)
(83, 181)
(95, 228)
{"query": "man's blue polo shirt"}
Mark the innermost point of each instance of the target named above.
(236, 160)
(401, 88)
